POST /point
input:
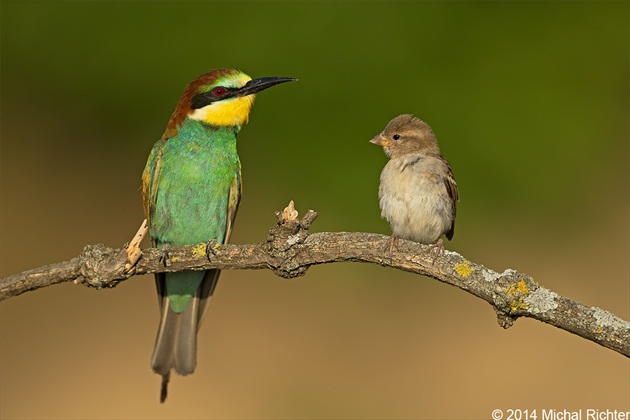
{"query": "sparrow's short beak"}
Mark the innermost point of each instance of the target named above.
(381, 140)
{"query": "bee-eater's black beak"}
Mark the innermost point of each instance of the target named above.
(256, 85)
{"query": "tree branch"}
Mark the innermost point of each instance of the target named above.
(290, 250)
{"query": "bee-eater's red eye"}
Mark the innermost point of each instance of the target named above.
(218, 91)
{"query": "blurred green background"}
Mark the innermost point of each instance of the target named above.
(529, 101)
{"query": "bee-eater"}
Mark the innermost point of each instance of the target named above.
(191, 188)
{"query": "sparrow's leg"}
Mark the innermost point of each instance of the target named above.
(438, 249)
(391, 244)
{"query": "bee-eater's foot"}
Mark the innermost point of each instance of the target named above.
(438, 249)
(211, 246)
(164, 257)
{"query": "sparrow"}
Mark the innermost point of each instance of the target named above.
(417, 193)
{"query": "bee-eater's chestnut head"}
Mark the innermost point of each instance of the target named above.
(222, 97)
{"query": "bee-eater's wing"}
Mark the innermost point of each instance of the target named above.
(453, 193)
(150, 181)
(150, 178)
(234, 200)
(212, 276)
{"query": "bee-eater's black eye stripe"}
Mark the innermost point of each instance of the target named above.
(200, 100)
(206, 98)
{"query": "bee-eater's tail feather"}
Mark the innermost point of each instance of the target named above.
(164, 387)
(176, 342)
(206, 290)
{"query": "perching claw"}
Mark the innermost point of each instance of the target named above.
(391, 244)
(211, 245)
(438, 248)
(164, 257)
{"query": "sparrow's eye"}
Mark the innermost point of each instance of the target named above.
(219, 91)
(396, 136)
